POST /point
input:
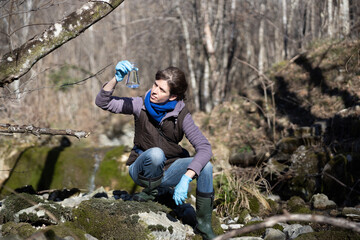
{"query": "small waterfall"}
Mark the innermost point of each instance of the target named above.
(92, 177)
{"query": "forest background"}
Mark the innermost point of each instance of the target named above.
(225, 48)
(229, 50)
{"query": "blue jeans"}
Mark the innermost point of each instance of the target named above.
(150, 164)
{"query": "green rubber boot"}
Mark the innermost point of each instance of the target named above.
(150, 188)
(204, 207)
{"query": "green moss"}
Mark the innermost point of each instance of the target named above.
(216, 224)
(67, 229)
(57, 211)
(257, 233)
(326, 235)
(34, 164)
(278, 227)
(157, 227)
(23, 230)
(113, 173)
(171, 229)
(243, 213)
(16, 202)
(297, 205)
(254, 204)
(275, 206)
(48, 168)
(113, 219)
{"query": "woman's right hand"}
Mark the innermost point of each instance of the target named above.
(122, 68)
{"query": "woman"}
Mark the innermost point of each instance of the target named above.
(157, 159)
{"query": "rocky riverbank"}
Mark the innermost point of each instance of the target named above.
(72, 214)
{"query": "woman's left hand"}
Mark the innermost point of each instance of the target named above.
(181, 190)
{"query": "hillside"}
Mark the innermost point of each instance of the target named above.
(314, 103)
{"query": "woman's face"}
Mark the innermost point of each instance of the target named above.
(160, 92)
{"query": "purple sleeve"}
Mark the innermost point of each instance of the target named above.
(199, 142)
(123, 105)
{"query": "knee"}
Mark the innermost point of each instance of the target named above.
(156, 155)
(208, 169)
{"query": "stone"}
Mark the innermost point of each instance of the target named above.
(320, 201)
(89, 237)
(294, 230)
(74, 201)
(224, 226)
(173, 229)
(352, 213)
(247, 238)
(235, 226)
(274, 234)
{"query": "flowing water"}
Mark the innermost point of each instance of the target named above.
(92, 177)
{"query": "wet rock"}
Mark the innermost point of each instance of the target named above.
(320, 201)
(274, 234)
(26, 189)
(124, 195)
(352, 213)
(60, 195)
(294, 230)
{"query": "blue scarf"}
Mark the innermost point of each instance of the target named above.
(158, 111)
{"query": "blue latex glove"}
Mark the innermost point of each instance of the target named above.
(181, 190)
(122, 68)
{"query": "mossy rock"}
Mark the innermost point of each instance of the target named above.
(297, 205)
(114, 219)
(243, 213)
(257, 233)
(16, 202)
(23, 230)
(113, 173)
(254, 205)
(58, 214)
(326, 235)
(304, 163)
(59, 167)
(65, 230)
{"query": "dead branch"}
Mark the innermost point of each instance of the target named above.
(37, 131)
(18, 62)
(271, 221)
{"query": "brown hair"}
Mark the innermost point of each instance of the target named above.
(175, 79)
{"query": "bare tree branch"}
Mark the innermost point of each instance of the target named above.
(18, 62)
(271, 221)
(7, 128)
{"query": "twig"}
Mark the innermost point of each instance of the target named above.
(271, 221)
(7, 128)
(91, 76)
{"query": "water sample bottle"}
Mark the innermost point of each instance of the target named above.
(133, 77)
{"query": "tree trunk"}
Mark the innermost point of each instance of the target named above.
(194, 86)
(210, 52)
(16, 63)
(344, 17)
(314, 23)
(285, 27)
(331, 18)
(261, 61)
